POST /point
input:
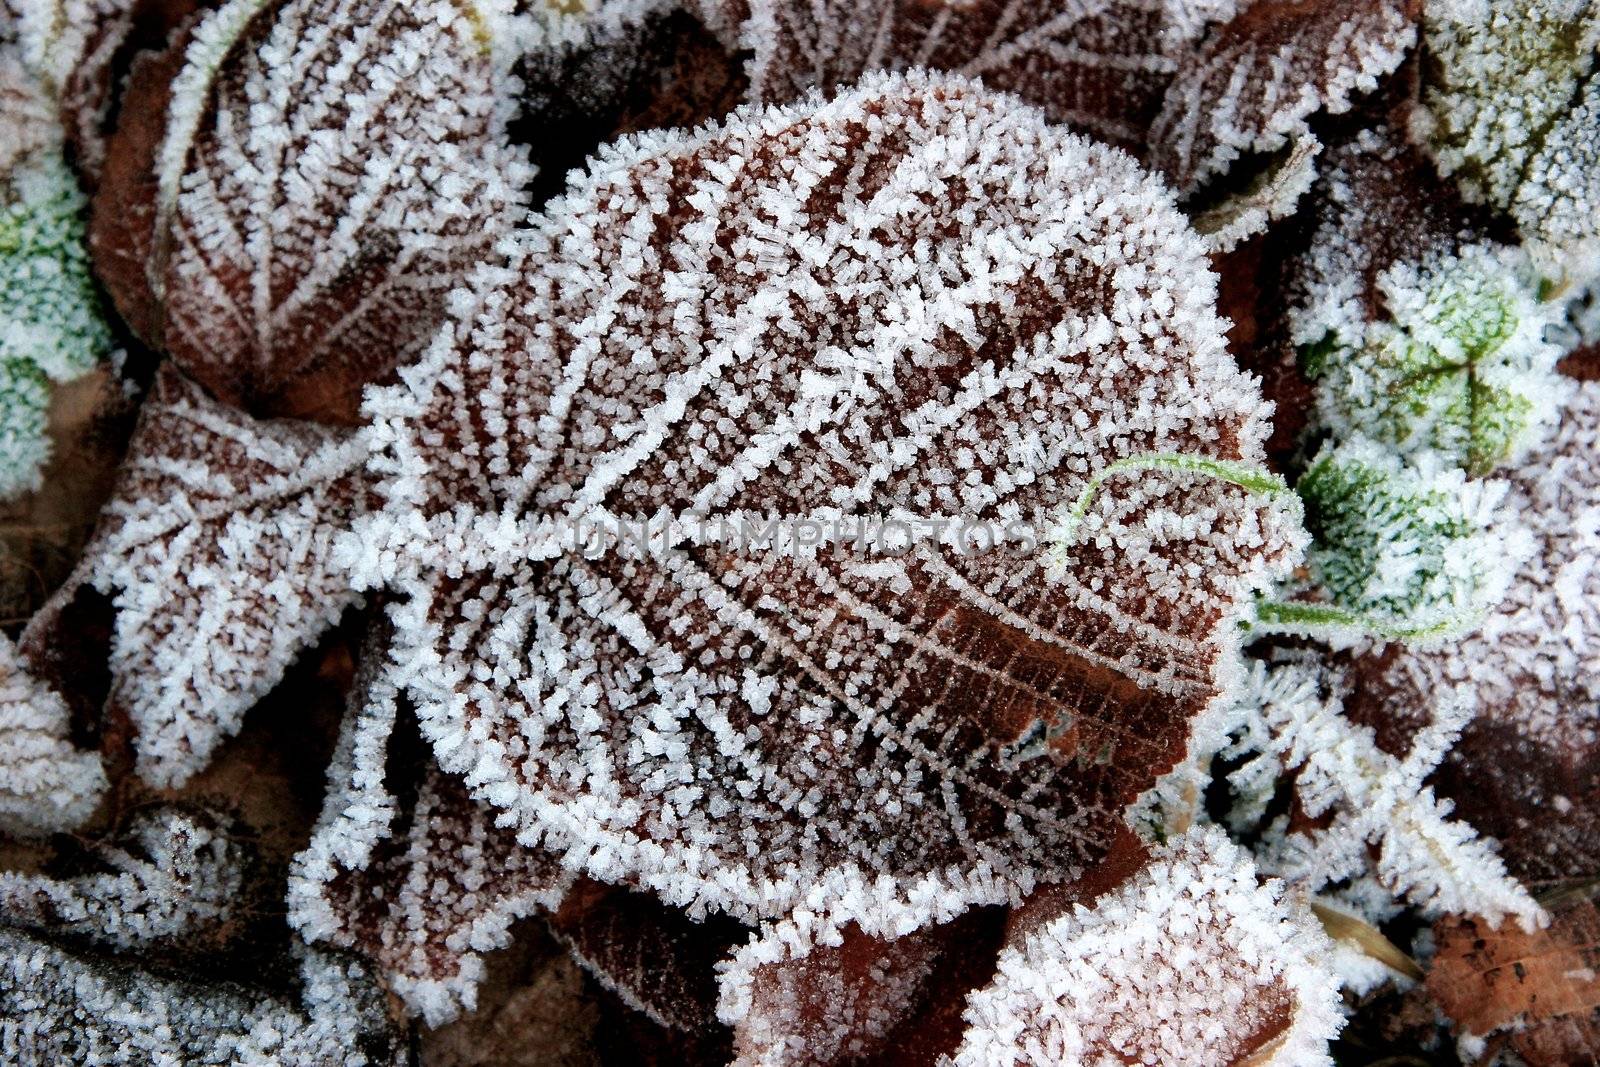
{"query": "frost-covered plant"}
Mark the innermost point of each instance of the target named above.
(59, 1007)
(51, 329)
(177, 877)
(1404, 547)
(1256, 79)
(1193, 960)
(1100, 67)
(795, 995)
(1530, 673)
(216, 549)
(1292, 716)
(1513, 112)
(49, 785)
(317, 192)
(425, 904)
(1460, 366)
(936, 332)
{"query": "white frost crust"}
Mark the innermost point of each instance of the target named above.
(47, 785)
(1191, 961)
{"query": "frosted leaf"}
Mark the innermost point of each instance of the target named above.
(1419, 332)
(854, 998)
(330, 169)
(421, 888)
(935, 331)
(217, 551)
(1537, 990)
(1379, 203)
(1255, 80)
(1513, 113)
(176, 876)
(1525, 769)
(69, 49)
(1414, 544)
(1273, 195)
(1365, 796)
(60, 1007)
(1192, 961)
(1099, 65)
(28, 124)
(46, 784)
(652, 957)
(1460, 366)
(51, 329)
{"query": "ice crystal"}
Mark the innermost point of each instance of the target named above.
(1192, 961)
(1410, 546)
(178, 876)
(1100, 66)
(422, 890)
(217, 550)
(60, 1007)
(1460, 366)
(330, 169)
(46, 783)
(1524, 768)
(1514, 113)
(50, 324)
(1370, 797)
(877, 307)
(1255, 80)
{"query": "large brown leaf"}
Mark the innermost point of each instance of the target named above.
(884, 306)
(327, 171)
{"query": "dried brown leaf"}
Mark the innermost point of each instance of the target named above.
(1541, 986)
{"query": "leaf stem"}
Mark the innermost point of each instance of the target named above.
(1307, 619)
(1250, 478)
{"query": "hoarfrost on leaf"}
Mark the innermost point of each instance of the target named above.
(422, 889)
(217, 550)
(178, 876)
(330, 169)
(1513, 112)
(58, 1006)
(47, 785)
(877, 307)
(796, 998)
(1460, 365)
(51, 329)
(1410, 546)
(1099, 66)
(1370, 796)
(1525, 767)
(1191, 961)
(1256, 79)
